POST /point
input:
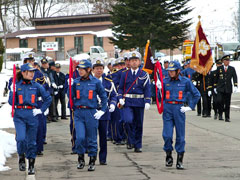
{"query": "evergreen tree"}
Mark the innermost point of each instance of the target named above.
(160, 21)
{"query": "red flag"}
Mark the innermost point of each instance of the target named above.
(148, 65)
(14, 90)
(158, 76)
(70, 82)
(201, 60)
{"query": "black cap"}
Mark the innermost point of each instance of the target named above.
(58, 65)
(51, 63)
(44, 61)
(218, 61)
(226, 57)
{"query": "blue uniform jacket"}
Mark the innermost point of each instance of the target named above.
(116, 76)
(84, 93)
(111, 95)
(164, 73)
(176, 90)
(141, 87)
(27, 95)
(188, 72)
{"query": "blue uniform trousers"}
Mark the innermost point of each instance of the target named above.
(40, 130)
(86, 129)
(44, 128)
(26, 126)
(72, 131)
(110, 128)
(122, 126)
(173, 117)
(133, 117)
(116, 118)
(102, 131)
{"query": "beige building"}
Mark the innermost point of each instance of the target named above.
(74, 34)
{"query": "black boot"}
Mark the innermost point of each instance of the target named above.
(179, 164)
(220, 117)
(22, 163)
(31, 170)
(215, 116)
(81, 161)
(169, 159)
(91, 166)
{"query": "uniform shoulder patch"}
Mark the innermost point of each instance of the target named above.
(108, 79)
(125, 70)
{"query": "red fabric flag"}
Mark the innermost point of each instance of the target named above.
(158, 76)
(70, 82)
(14, 90)
(148, 65)
(201, 60)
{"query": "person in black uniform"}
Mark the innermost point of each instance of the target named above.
(60, 82)
(214, 95)
(223, 81)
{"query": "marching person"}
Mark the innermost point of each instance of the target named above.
(98, 67)
(223, 81)
(134, 95)
(25, 115)
(214, 95)
(164, 70)
(176, 89)
(59, 78)
(85, 92)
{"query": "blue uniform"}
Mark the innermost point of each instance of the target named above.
(115, 125)
(175, 93)
(164, 73)
(188, 72)
(103, 121)
(42, 119)
(26, 124)
(136, 95)
(84, 95)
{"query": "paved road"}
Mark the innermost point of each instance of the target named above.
(212, 153)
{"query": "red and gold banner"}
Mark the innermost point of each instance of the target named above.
(201, 60)
(148, 65)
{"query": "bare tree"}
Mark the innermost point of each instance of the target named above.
(102, 6)
(5, 5)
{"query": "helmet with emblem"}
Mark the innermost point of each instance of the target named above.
(83, 64)
(174, 65)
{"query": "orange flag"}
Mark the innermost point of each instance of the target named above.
(201, 60)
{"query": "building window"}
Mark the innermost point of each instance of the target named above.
(60, 41)
(78, 44)
(98, 41)
(23, 43)
(39, 43)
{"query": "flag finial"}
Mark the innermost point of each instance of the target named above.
(148, 41)
(199, 17)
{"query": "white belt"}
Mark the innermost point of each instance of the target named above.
(134, 95)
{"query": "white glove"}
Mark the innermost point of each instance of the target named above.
(111, 108)
(185, 109)
(215, 90)
(147, 106)
(153, 82)
(55, 92)
(46, 112)
(54, 85)
(194, 83)
(71, 81)
(98, 114)
(11, 87)
(36, 112)
(235, 89)
(159, 84)
(60, 87)
(209, 93)
(121, 101)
